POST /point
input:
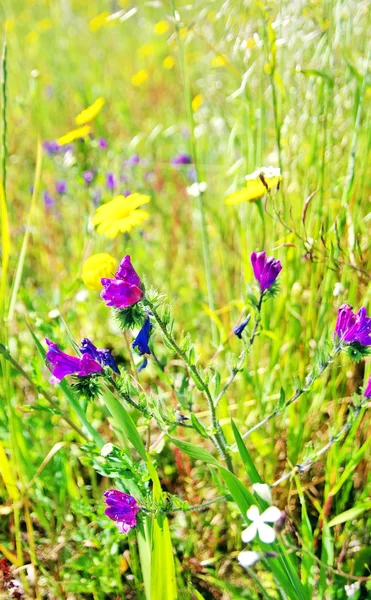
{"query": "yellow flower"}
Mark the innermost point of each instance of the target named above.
(255, 188)
(9, 25)
(196, 102)
(97, 266)
(32, 37)
(139, 77)
(169, 62)
(218, 61)
(146, 50)
(98, 21)
(73, 135)
(250, 43)
(161, 27)
(90, 113)
(121, 214)
(44, 25)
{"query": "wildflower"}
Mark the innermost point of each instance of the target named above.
(88, 176)
(258, 184)
(240, 328)
(264, 491)
(218, 61)
(125, 289)
(351, 589)
(51, 147)
(196, 189)
(95, 267)
(121, 214)
(140, 77)
(62, 364)
(367, 392)
(90, 113)
(75, 134)
(266, 269)
(110, 181)
(181, 159)
(48, 200)
(102, 143)
(196, 102)
(102, 355)
(122, 509)
(132, 160)
(143, 365)
(98, 21)
(61, 187)
(248, 559)
(353, 328)
(97, 194)
(142, 339)
(259, 525)
(161, 27)
(168, 62)
(146, 50)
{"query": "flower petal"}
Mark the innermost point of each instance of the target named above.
(266, 533)
(247, 558)
(271, 515)
(249, 533)
(253, 513)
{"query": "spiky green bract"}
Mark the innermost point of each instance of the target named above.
(357, 352)
(87, 387)
(272, 291)
(113, 462)
(131, 317)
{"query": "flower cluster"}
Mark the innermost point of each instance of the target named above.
(125, 288)
(353, 328)
(121, 508)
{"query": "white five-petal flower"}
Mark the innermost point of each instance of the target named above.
(259, 524)
(248, 559)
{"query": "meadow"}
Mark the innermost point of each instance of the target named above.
(195, 425)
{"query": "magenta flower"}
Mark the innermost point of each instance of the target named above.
(181, 159)
(62, 364)
(122, 509)
(266, 269)
(125, 289)
(102, 143)
(351, 327)
(88, 176)
(61, 187)
(367, 392)
(110, 181)
(102, 355)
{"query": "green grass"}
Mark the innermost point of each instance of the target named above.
(293, 89)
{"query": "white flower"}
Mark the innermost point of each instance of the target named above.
(352, 589)
(107, 449)
(267, 172)
(259, 524)
(264, 491)
(247, 559)
(196, 189)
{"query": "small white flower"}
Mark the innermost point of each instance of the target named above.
(259, 524)
(267, 172)
(264, 491)
(54, 314)
(196, 189)
(351, 589)
(247, 558)
(107, 449)
(338, 289)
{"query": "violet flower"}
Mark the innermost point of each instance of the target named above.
(110, 181)
(62, 364)
(122, 508)
(240, 328)
(88, 176)
(351, 327)
(61, 187)
(142, 339)
(266, 269)
(102, 355)
(102, 143)
(125, 289)
(181, 159)
(48, 200)
(51, 147)
(367, 392)
(132, 161)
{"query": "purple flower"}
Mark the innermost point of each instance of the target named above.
(102, 143)
(97, 194)
(181, 159)
(142, 339)
(61, 187)
(48, 200)
(126, 193)
(110, 181)
(122, 509)
(51, 147)
(62, 364)
(239, 328)
(266, 269)
(125, 289)
(132, 161)
(88, 176)
(102, 355)
(367, 392)
(351, 327)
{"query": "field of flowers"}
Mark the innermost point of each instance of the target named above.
(185, 288)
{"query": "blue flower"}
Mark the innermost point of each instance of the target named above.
(239, 328)
(102, 355)
(143, 364)
(142, 339)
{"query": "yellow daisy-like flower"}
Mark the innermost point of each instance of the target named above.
(73, 135)
(139, 77)
(161, 27)
(97, 266)
(196, 102)
(89, 114)
(169, 62)
(255, 188)
(121, 214)
(98, 21)
(218, 61)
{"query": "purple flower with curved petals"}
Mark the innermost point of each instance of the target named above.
(88, 176)
(102, 355)
(110, 181)
(351, 327)
(51, 147)
(142, 339)
(61, 187)
(367, 392)
(125, 289)
(121, 508)
(62, 364)
(143, 364)
(266, 269)
(102, 143)
(181, 159)
(240, 328)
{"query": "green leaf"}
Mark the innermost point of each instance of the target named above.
(163, 582)
(198, 426)
(350, 514)
(195, 451)
(307, 562)
(245, 456)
